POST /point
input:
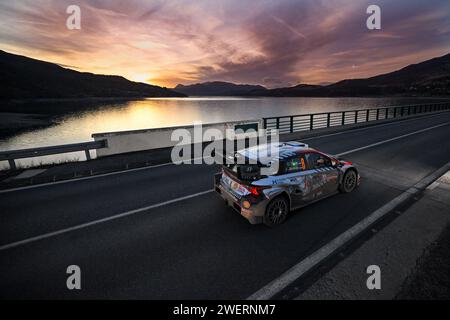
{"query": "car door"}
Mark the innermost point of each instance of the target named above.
(298, 179)
(324, 177)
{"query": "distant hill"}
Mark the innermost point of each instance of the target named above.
(431, 77)
(428, 78)
(23, 77)
(300, 90)
(218, 88)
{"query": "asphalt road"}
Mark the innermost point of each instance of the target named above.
(194, 248)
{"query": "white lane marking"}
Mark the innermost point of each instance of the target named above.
(90, 177)
(89, 224)
(170, 163)
(391, 139)
(298, 270)
(84, 225)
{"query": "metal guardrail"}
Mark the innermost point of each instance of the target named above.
(13, 155)
(313, 121)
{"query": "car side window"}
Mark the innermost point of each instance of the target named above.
(295, 164)
(316, 160)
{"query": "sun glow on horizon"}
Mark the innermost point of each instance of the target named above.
(145, 78)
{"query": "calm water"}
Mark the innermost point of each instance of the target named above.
(163, 112)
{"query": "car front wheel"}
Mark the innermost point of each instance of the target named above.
(349, 181)
(276, 211)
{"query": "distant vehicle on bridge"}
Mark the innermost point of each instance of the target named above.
(303, 176)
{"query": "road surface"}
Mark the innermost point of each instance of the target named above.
(187, 244)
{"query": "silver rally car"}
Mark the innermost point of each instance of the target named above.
(303, 175)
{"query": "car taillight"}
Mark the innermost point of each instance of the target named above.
(256, 191)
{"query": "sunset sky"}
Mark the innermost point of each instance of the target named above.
(272, 43)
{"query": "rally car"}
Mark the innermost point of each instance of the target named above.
(303, 175)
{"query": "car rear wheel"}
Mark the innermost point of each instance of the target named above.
(349, 181)
(276, 211)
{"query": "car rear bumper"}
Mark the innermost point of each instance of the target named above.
(254, 214)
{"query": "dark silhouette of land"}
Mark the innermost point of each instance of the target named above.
(218, 88)
(425, 79)
(24, 78)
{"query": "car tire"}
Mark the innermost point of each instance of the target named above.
(349, 181)
(276, 211)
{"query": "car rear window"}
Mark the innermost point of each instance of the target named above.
(245, 172)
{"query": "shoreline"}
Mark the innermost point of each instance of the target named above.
(13, 123)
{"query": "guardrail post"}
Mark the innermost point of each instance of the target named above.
(265, 123)
(356, 116)
(386, 113)
(367, 115)
(292, 124)
(343, 117)
(12, 164)
(328, 119)
(378, 113)
(278, 123)
(88, 155)
(395, 112)
(311, 122)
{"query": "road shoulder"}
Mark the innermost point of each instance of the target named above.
(397, 249)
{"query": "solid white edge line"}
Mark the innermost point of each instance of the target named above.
(92, 177)
(91, 223)
(171, 163)
(298, 270)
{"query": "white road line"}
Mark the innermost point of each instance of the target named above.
(170, 163)
(298, 270)
(89, 224)
(391, 139)
(90, 177)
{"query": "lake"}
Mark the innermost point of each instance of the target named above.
(105, 116)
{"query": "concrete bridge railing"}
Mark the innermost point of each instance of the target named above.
(140, 140)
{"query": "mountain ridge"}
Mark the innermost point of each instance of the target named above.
(427, 78)
(217, 88)
(27, 78)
